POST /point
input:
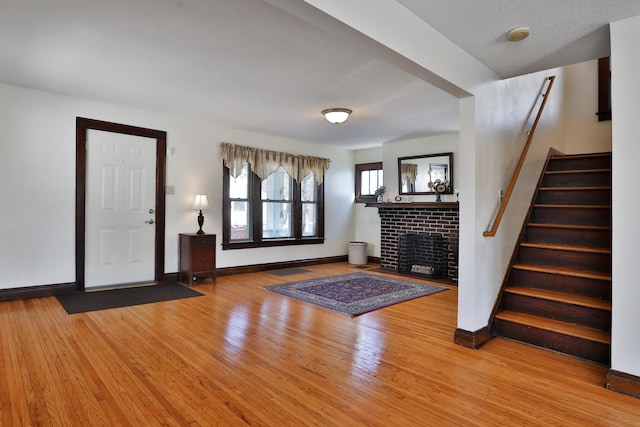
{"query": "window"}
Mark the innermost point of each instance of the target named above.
(239, 206)
(274, 211)
(368, 180)
(277, 204)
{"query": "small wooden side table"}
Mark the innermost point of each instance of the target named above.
(197, 257)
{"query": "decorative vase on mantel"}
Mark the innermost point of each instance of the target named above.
(439, 186)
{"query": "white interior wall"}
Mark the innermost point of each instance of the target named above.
(37, 168)
(367, 220)
(447, 143)
(625, 67)
(583, 132)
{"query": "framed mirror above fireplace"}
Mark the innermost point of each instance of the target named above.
(415, 173)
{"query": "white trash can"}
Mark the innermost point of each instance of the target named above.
(358, 253)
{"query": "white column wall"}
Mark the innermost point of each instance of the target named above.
(489, 153)
(625, 68)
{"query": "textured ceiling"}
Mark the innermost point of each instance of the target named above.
(248, 64)
(562, 32)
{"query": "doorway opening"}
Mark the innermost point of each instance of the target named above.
(83, 125)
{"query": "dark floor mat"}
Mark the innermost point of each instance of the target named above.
(101, 300)
(287, 271)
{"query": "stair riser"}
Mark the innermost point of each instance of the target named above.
(586, 179)
(571, 216)
(575, 197)
(555, 282)
(558, 258)
(585, 349)
(580, 163)
(570, 313)
(588, 238)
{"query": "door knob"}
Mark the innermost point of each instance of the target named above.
(149, 222)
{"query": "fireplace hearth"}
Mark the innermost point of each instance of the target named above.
(423, 254)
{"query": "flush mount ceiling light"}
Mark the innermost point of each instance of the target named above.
(518, 34)
(336, 115)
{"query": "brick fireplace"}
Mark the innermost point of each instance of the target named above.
(432, 219)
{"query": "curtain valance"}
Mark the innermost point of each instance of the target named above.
(264, 162)
(409, 172)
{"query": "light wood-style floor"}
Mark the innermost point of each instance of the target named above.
(241, 355)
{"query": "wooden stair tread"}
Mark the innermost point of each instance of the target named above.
(578, 156)
(573, 299)
(557, 326)
(568, 248)
(586, 274)
(554, 206)
(570, 226)
(577, 188)
(576, 171)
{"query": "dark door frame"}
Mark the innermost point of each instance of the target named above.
(82, 126)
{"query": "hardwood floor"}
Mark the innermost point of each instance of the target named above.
(241, 355)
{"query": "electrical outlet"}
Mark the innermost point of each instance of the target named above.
(500, 196)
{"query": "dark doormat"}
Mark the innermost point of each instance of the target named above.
(287, 271)
(102, 300)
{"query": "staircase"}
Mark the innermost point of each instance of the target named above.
(557, 294)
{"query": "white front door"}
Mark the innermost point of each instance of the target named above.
(120, 203)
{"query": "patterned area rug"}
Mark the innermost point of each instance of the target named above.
(355, 293)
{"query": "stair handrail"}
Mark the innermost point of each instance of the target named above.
(507, 196)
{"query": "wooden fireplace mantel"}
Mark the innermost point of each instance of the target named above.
(413, 205)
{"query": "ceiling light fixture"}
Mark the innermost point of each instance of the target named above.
(336, 115)
(518, 34)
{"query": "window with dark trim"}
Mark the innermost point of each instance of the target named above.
(276, 211)
(368, 180)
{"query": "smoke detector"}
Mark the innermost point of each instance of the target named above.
(518, 34)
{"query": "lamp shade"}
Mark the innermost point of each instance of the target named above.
(201, 202)
(336, 115)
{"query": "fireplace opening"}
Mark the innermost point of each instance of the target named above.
(423, 254)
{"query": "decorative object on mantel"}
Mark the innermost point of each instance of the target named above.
(457, 192)
(402, 199)
(378, 193)
(413, 205)
(200, 204)
(439, 186)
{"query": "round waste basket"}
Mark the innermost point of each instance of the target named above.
(358, 253)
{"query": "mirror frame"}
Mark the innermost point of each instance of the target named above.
(426, 156)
